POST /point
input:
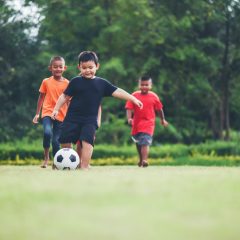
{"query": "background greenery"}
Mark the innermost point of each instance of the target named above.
(217, 153)
(190, 48)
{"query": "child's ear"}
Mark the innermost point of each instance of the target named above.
(65, 68)
(50, 68)
(78, 66)
(98, 66)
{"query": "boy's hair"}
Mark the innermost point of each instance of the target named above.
(87, 56)
(145, 78)
(56, 58)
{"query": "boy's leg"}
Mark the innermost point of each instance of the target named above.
(47, 134)
(144, 154)
(46, 158)
(139, 154)
(79, 151)
(144, 142)
(86, 154)
(56, 135)
(87, 138)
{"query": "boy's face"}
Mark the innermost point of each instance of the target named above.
(57, 68)
(88, 69)
(145, 86)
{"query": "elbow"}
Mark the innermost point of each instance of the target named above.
(115, 93)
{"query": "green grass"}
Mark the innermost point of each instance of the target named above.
(120, 203)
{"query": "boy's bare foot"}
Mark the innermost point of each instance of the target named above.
(145, 163)
(84, 169)
(44, 164)
(54, 167)
(140, 164)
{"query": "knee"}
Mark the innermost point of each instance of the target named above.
(47, 133)
(55, 141)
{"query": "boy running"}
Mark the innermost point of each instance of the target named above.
(50, 90)
(143, 121)
(86, 92)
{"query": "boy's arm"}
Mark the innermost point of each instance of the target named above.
(160, 113)
(122, 94)
(129, 116)
(39, 106)
(61, 100)
(99, 117)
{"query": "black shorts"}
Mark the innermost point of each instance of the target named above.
(72, 132)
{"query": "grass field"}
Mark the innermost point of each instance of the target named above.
(119, 203)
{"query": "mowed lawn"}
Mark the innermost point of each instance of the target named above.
(120, 203)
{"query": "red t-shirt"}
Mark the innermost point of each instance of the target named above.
(144, 119)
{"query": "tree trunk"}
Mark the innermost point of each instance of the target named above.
(224, 108)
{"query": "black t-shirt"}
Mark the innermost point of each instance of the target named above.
(86, 96)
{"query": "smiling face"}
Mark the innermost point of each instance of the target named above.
(57, 68)
(88, 69)
(145, 86)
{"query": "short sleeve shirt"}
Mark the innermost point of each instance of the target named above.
(86, 96)
(53, 89)
(144, 119)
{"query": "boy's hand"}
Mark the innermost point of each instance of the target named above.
(54, 114)
(164, 123)
(138, 103)
(35, 119)
(130, 121)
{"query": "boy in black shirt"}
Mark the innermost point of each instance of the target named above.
(86, 92)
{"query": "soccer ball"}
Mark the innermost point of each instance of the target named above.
(66, 159)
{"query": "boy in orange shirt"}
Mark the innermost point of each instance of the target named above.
(50, 90)
(143, 120)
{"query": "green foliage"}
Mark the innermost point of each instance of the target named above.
(17, 51)
(191, 49)
(207, 154)
(113, 131)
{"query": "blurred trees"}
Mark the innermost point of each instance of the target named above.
(190, 48)
(17, 72)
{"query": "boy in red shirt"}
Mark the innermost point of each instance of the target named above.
(143, 120)
(50, 90)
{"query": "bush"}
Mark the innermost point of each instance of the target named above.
(24, 150)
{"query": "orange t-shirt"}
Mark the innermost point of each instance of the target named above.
(53, 89)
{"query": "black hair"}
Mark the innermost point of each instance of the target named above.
(145, 78)
(56, 58)
(87, 56)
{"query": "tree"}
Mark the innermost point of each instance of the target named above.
(190, 49)
(16, 54)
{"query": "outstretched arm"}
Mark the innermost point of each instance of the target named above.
(160, 113)
(61, 100)
(39, 106)
(122, 94)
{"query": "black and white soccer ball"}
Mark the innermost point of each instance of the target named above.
(66, 159)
